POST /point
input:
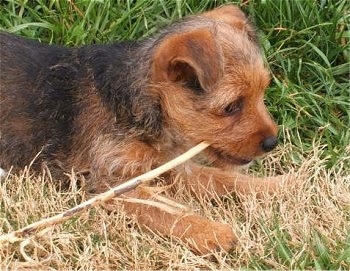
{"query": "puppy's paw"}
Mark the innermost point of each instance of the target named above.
(280, 181)
(210, 236)
(277, 184)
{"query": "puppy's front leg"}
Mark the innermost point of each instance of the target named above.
(208, 181)
(200, 233)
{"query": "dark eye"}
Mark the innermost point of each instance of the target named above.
(233, 108)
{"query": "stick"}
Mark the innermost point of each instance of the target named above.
(114, 192)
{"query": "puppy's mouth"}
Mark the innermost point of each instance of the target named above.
(228, 158)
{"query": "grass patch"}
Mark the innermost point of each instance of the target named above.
(306, 44)
(304, 227)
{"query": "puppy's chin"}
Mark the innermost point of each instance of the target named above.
(208, 159)
(232, 167)
(225, 160)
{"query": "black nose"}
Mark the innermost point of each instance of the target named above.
(269, 143)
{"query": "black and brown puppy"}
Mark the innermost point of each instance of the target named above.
(119, 110)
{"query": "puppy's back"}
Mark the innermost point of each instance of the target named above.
(35, 99)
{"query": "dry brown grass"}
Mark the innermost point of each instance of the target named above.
(285, 230)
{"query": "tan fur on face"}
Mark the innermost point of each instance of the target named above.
(238, 72)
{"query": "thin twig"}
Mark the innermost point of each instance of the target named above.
(92, 202)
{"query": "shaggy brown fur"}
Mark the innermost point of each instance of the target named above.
(119, 110)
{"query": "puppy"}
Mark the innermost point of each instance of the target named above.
(115, 111)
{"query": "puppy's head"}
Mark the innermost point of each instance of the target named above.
(211, 79)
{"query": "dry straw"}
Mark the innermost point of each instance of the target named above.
(94, 201)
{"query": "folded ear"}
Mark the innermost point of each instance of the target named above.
(233, 16)
(191, 58)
